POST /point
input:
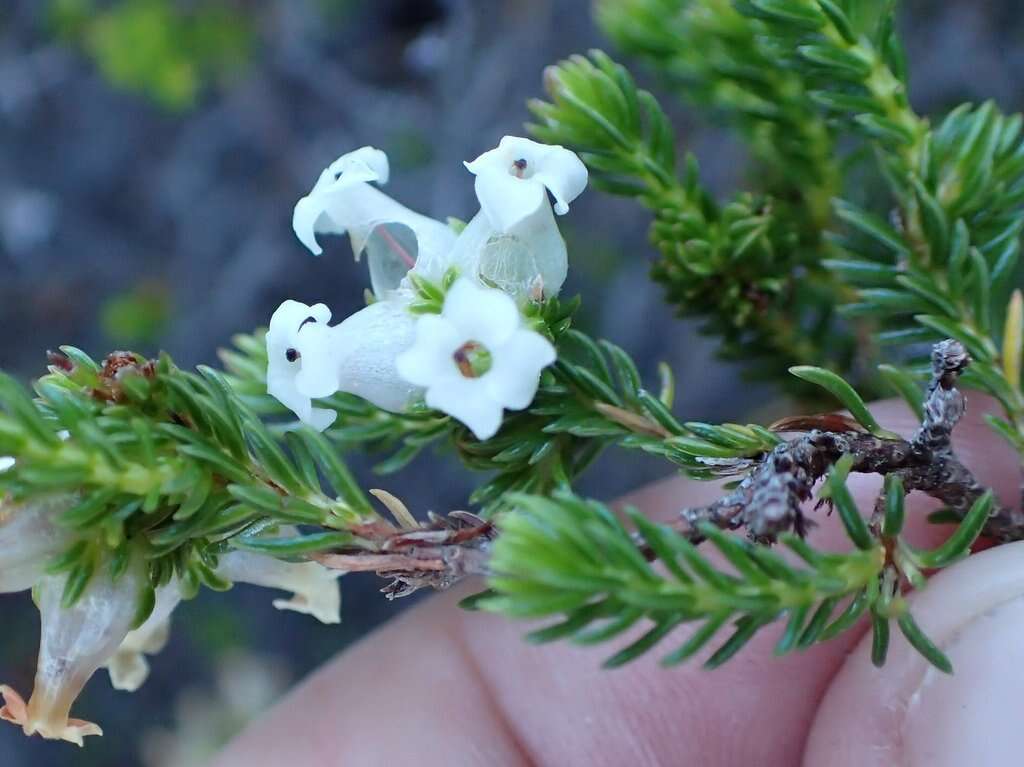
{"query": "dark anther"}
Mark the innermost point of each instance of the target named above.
(520, 164)
(291, 355)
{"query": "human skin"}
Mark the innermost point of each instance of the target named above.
(441, 686)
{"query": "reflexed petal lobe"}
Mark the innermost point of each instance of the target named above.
(515, 372)
(314, 588)
(467, 400)
(364, 164)
(564, 175)
(507, 200)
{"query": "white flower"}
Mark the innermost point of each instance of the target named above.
(309, 360)
(128, 666)
(6, 462)
(343, 200)
(514, 242)
(96, 631)
(512, 180)
(75, 641)
(315, 592)
(476, 358)
(314, 588)
(30, 536)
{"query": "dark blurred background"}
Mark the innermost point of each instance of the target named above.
(151, 153)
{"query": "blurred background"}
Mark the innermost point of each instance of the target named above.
(150, 155)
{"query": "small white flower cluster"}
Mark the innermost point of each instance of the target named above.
(478, 357)
(97, 630)
(473, 360)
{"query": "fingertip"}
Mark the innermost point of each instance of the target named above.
(909, 714)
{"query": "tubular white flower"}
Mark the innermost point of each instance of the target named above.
(29, 537)
(513, 179)
(74, 643)
(476, 358)
(128, 667)
(314, 588)
(514, 242)
(309, 360)
(342, 200)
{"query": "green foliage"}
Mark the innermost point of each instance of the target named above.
(156, 47)
(846, 394)
(163, 462)
(943, 262)
(569, 557)
(566, 556)
(181, 466)
(717, 59)
(749, 268)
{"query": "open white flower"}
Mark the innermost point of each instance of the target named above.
(394, 237)
(514, 242)
(476, 358)
(513, 180)
(308, 359)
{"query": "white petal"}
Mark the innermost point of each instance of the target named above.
(363, 164)
(368, 344)
(482, 314)
(564, 175)
(430, 357)
(506, 203)
(507, 200)
(315, 588)
(467, 400)
(349, 204)
(502, 157)
(74, 643)
(128, 667)
(497, 159)
(515, 369)
(306, 222)
(6, 462)
(30, 537)
(282, 375)
(317, 375)
(356, 168)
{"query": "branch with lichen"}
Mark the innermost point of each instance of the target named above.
(768, 502)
